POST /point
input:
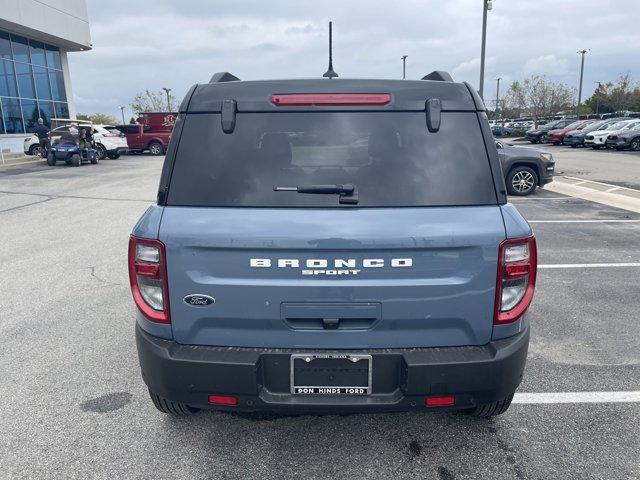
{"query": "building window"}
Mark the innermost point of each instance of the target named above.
(31, 84)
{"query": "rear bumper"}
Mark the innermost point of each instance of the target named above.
(401, 378)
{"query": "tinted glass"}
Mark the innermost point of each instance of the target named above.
(5, 46)
(8, 86)
(36, 50)
(31, 114)
(2, 130)
(25, 80)
(62, 110)
(20, 48)
(41, 77)
(390, 156)
(46, 112)
(12, 115)
(57, 85)
(53, 58)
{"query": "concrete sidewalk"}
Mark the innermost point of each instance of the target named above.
(599, 192)
(8, 159)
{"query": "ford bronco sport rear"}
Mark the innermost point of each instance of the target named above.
(341, 245)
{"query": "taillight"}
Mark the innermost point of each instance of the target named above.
(517, 265)
(302, 99)
(148, 278)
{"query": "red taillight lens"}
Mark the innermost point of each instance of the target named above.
(440, 401)
(517, 265)
(229, 400)
(148, 278)
(307, 99)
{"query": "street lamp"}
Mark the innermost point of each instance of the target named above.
(497, 94)
(404, 66)
(581, 52)
(122, 107)
(598, 98)
(167, 90)
(486, 6)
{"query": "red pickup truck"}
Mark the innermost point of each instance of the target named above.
(151, 132)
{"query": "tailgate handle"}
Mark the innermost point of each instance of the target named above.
(330, 323)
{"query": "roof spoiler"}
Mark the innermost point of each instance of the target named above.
(439, 76)
(223, 77)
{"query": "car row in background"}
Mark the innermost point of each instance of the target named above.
(619, 133)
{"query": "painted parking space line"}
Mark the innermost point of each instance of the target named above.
(576, 397)
(599, 220)
(526, 199)
(589, 265)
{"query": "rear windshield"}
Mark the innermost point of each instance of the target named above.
(390, 157)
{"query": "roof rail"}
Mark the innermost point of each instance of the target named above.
(223, 77)
(438, 75)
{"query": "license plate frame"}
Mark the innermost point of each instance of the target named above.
(331, 390)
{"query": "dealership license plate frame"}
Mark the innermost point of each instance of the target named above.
(317, 390)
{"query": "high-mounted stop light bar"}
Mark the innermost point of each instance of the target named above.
(307, 99)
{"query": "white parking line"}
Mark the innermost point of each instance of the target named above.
(576, 397)
(589, 265)
(518, 199)
(600, 220)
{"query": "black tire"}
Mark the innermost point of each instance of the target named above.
(521, 181)
(36, 149)
(102, 152)
(172, 408)
(489, 410)
(635, 144)
(76, 160)
(94, 159)
(114, 156)
(68, 162)
(51, 160)
(535, 140)
(156, 148)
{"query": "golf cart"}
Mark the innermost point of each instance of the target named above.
(72, 150)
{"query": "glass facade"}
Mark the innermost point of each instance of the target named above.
(31, 84)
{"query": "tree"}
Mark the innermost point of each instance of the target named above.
(615, 97)
(539, 97)
(149, 101)
(98, 118)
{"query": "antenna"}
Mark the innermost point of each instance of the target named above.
(330, 73)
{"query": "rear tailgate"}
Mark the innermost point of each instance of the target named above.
(411, 277)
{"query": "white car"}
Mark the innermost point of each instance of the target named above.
(110, 142)
(598, 138)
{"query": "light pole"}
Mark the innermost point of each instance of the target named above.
(497, 94)
(404, 66)
(581, 52)
(167, 90)
(486, 6)
(122, 107)
(598, 98)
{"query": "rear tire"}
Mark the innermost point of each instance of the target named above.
(76, 160)
(172, 408)
(51, 159)
(102, 152)
(635, 144)
(489, 410)
(156, 148)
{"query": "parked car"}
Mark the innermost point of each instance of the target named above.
(538, 135)
(628, 138)
(556, 135)
(524, 168)
(142, 137)
(598, 139)
(283, 270)
(499, 131)
(575, 138)
(109, 141)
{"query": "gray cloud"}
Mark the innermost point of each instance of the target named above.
(157, 43)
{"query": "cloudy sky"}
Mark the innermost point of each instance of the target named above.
(150, 44)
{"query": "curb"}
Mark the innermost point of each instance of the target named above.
(604, 193)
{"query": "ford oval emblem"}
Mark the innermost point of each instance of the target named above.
(197, 300)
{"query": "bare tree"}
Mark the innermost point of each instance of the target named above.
(539, 97)
(621, 93)
(149, 101)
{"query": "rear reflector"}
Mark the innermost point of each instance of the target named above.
(302, 99)
(440, 401)
(223, 400)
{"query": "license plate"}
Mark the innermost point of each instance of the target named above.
(330, 374)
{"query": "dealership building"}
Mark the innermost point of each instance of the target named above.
(35, 82)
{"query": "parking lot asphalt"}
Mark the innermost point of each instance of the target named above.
(74, 404)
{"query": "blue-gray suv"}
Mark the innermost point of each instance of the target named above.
(332, 245)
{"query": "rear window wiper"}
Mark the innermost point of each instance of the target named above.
(348, 192)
